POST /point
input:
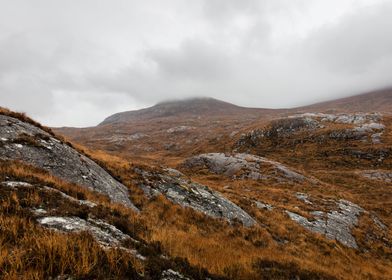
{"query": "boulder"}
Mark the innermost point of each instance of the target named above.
(30, 144)
(180, 190)
(243, 166)
(104, 233)
(335, 224)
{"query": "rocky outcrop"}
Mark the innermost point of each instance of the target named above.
(278, 128)
(25, 185)
(335, 224)
(263, 206)
(180, 190)
(119, 138)
(303, 197)
(181, 128)
(170, 274)
(364, 126)
(103, 232)
(30, 144)
(356, 118)
(380, 175)
(243, 166)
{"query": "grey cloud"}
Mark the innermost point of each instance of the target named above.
(356, 43)
(227, 9)
(194, 60)
(76, 70)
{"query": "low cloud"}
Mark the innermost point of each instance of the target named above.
(125, 55)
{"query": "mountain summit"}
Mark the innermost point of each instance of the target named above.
(375, 101)
(180, 108)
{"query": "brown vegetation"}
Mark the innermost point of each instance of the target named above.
(197, 245)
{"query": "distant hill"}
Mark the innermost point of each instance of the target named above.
(195, 107)
(201, 124)
(376, 101)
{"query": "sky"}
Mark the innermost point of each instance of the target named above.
(75, 62)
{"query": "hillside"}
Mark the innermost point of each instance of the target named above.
(314, 184)
(187, 127)
(64, 216)
(170, 128)
(375, 101)
(188, 108)
(270, 217)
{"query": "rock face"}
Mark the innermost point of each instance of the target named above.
(30, 144)
(243, 166)
(178, 189)
(336, 224)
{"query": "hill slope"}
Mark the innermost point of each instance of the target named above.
(238, 196)
(189, 108)
(317, 183)
(183, 128)
(375, 101)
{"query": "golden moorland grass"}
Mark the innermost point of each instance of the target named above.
(276, 249)
(234, 251)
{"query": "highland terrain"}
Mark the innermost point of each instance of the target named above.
(201, 189)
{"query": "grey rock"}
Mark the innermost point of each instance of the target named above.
(46, 152)
(39, 211)
(181, 128)
(304, 197)
(356, 118)
(62, 277)
(263, 206)
(170, 274)
(378, 223)
(363, 124)
(18, 184)
(243, 166)
(336, 224)
(348, 134)
(104, 233)
(182, 191)
(120, 138)
(15, 184)
(376, 138)
(70, 198)
(380, 175)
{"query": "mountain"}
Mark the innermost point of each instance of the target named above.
(170, 127)
(185, 127)
(189, 108)
(375, 101)
(217, 191)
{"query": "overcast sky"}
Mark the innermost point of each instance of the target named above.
(74, 62)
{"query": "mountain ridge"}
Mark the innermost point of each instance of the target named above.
(379, 100)
(191, 107)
